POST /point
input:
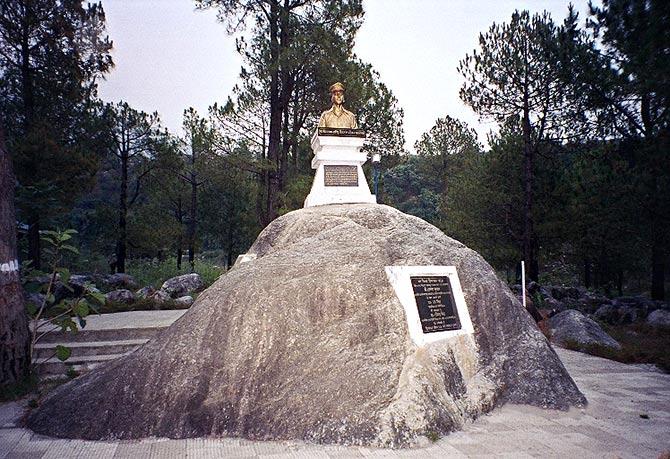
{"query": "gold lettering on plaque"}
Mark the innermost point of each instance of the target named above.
(340, 175)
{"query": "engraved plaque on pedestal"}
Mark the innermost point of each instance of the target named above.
(341, 132)
(435, 302)
(337, 175)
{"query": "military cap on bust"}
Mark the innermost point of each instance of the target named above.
(337, 87)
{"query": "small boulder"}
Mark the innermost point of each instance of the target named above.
(607, 313)
(145, 292)
(554, 306)
(37, 299)
(659, 318)
(184, 301)
(617, 313)
(120, 281)
(120, 296)
(182, 285)
(573, 326)
(160, 296)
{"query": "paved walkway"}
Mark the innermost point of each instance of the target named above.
(628, 416)
(133, 319)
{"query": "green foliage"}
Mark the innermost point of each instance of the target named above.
(51, 56)
(63, 353)
(65, 314)
(71, 373)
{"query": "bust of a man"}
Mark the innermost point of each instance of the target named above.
(338, 116)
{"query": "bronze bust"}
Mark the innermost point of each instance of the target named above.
(338, 117)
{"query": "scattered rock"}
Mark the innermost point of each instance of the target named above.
(120, 296)
(560, 292)
(184, 301)
(617, 313)
(120, 280)
(160, 296)
(554, 306)
(37, 299)
(573, 326)
(182, 285)
(145, 292)
(659, 318)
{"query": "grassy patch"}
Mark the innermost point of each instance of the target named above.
(153, 272)
(640, 343)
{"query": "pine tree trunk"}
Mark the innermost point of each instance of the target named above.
(179, 238)
(14, 333)
(122, 241)
(192, 221)
(34, 244)
(27, 94)
(587, 273)
(274, 142)
(658, 258)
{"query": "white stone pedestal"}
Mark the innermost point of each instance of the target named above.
(339, 177)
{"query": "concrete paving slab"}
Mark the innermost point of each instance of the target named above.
(133, 319)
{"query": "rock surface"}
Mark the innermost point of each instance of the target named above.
(120, 296)
(309, 341)
(572, 325)
(182, 285)
(659, 318)
(185, 300)
(119, 281)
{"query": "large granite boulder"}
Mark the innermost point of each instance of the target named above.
(573, 327)
(309, 341)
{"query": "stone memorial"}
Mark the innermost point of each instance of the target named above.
(347, 323)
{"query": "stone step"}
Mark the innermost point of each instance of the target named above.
(50, 367)
(85, 336)
(118, 326)
(78, 349)
(106, 337)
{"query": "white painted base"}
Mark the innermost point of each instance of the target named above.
(345, 151)
(399, 277)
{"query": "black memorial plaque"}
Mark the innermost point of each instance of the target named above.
(435, 301)
(338, 175)
(341, 132)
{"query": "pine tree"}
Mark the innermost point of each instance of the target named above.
(51, 54)
(513, 77)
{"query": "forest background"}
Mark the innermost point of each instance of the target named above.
(575, 178)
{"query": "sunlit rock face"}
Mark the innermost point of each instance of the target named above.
(309, 341)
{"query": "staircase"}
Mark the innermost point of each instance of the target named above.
(106, 337)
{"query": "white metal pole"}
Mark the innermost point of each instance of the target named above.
(523, 284)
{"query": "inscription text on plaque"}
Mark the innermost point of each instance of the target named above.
(435, 302)
(340, 175)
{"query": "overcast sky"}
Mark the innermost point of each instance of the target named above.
(170, 57)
